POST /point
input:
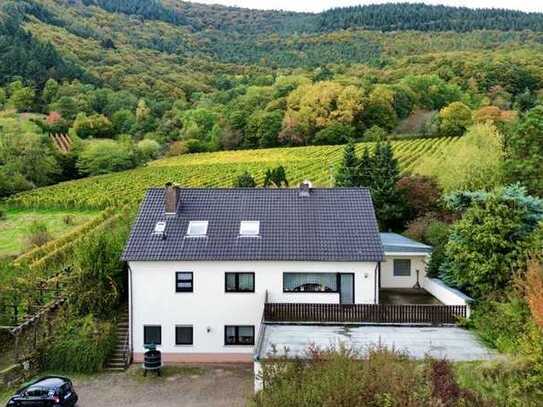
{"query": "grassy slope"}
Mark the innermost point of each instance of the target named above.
(14, 229)
(317, 164)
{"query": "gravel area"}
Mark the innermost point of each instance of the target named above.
(187, 386)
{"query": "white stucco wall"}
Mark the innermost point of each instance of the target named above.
(155, 302)
(388, 280)
(446, 294)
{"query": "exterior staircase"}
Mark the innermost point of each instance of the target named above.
(119, 359)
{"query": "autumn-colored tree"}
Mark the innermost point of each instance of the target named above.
(494, 115)
(534, 291)
(455, 119)
(314, 107)
(422, 194)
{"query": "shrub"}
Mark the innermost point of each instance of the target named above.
(375, 133)
(245, 180)
(38, 234)
(97, 282)
(534, 291)
(68, 220)
(80, 346)
(344, 377)
(148, 150)
(422, 194)
(177, 148)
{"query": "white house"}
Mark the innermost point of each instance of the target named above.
(203, 263)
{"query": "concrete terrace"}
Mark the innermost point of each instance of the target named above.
(455, 344)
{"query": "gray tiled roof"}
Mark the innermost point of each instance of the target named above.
(394, 243)
(336, 224)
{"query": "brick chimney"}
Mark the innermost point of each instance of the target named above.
(171, 198)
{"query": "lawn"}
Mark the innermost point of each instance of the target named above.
(14, 227)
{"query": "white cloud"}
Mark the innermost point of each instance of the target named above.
(318, 5)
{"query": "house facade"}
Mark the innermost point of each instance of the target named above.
(204, 262)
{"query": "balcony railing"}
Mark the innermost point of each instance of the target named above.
(365, 313)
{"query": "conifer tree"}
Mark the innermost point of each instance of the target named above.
(347, 173)
(387, 197)
(365, 168)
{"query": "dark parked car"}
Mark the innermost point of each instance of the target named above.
(48, 391)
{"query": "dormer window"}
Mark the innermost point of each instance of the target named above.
(249, 228)
(197, 228)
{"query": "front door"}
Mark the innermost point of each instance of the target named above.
(346, 288)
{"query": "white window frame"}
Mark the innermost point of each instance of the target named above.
(253, 225)
(197, 223)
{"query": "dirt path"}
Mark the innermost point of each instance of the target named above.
(185, 386)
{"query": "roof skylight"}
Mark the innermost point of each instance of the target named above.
(249, 228)
(197, 228)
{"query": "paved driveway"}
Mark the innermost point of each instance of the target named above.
(452, 343)
(195, 386)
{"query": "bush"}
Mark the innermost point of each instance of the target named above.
(177, 148)
(422, 194)
(68, 220)
(148, 150)
(2, 214)
(344, 377)
(375, 133)
(96, 283)
(80, 346)
(38, 234)
(245, 180)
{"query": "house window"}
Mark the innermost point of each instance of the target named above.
(402, 267)
(197, 228)
(240, 282)
(184, 282)
(183, 335)
(152, 335)
(310, 282)
(239, 335)
(249, 228)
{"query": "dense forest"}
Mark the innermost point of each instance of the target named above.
(135, 80)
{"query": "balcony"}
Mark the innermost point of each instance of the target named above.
(392, 314)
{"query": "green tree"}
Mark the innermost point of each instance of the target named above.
(263, 129)
(455, 119)
(489, 242)
(28, 154)
(104, 156)
(335, 133)
(245, 180)
(148, 150)
(94, 126)
(524, 152)
(347, 173)
(375, 133)
(475, 162)
(22, 98)
(277, 177)
(123, 121)
(50, 91)
(365, 168)
(388, 199)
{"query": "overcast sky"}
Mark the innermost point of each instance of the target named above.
(318, 5)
